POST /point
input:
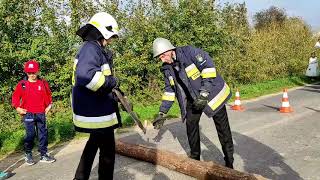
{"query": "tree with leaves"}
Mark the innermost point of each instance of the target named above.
(273, 14)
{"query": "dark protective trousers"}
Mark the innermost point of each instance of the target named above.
(35, 124)
(106, 144)
(222, 125)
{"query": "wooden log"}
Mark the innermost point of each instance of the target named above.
(198, 169)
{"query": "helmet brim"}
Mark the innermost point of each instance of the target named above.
(155, 56)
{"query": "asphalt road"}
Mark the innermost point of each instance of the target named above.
(274, 145)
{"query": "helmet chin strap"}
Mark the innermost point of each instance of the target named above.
(101, 43)
(174, 57)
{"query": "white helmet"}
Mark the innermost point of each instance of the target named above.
(106, 24)
(161, 45)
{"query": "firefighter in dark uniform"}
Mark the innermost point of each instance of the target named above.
(93, 104)
(191, 77)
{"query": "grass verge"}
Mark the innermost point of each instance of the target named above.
(269, 87)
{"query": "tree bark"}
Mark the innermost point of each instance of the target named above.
(198, 169)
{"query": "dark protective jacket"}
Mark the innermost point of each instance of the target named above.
(196, 72)
(94, 106)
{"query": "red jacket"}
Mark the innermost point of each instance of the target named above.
(32, 96)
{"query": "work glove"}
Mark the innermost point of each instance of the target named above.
(200, 103)
(158, 121)
(111, 82)
(117, 87)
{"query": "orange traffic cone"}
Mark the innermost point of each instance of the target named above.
(285, 107)
(237, 103)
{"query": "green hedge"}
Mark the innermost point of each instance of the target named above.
(242, 55)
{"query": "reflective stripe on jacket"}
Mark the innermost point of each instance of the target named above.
(94, 106)
(197, 72)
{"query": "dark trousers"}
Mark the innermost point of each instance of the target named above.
(106, 144)
(35, 124)
(222, 125)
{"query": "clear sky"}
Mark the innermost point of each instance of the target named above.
(308, 10)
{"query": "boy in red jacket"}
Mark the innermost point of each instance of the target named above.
(32, 99)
